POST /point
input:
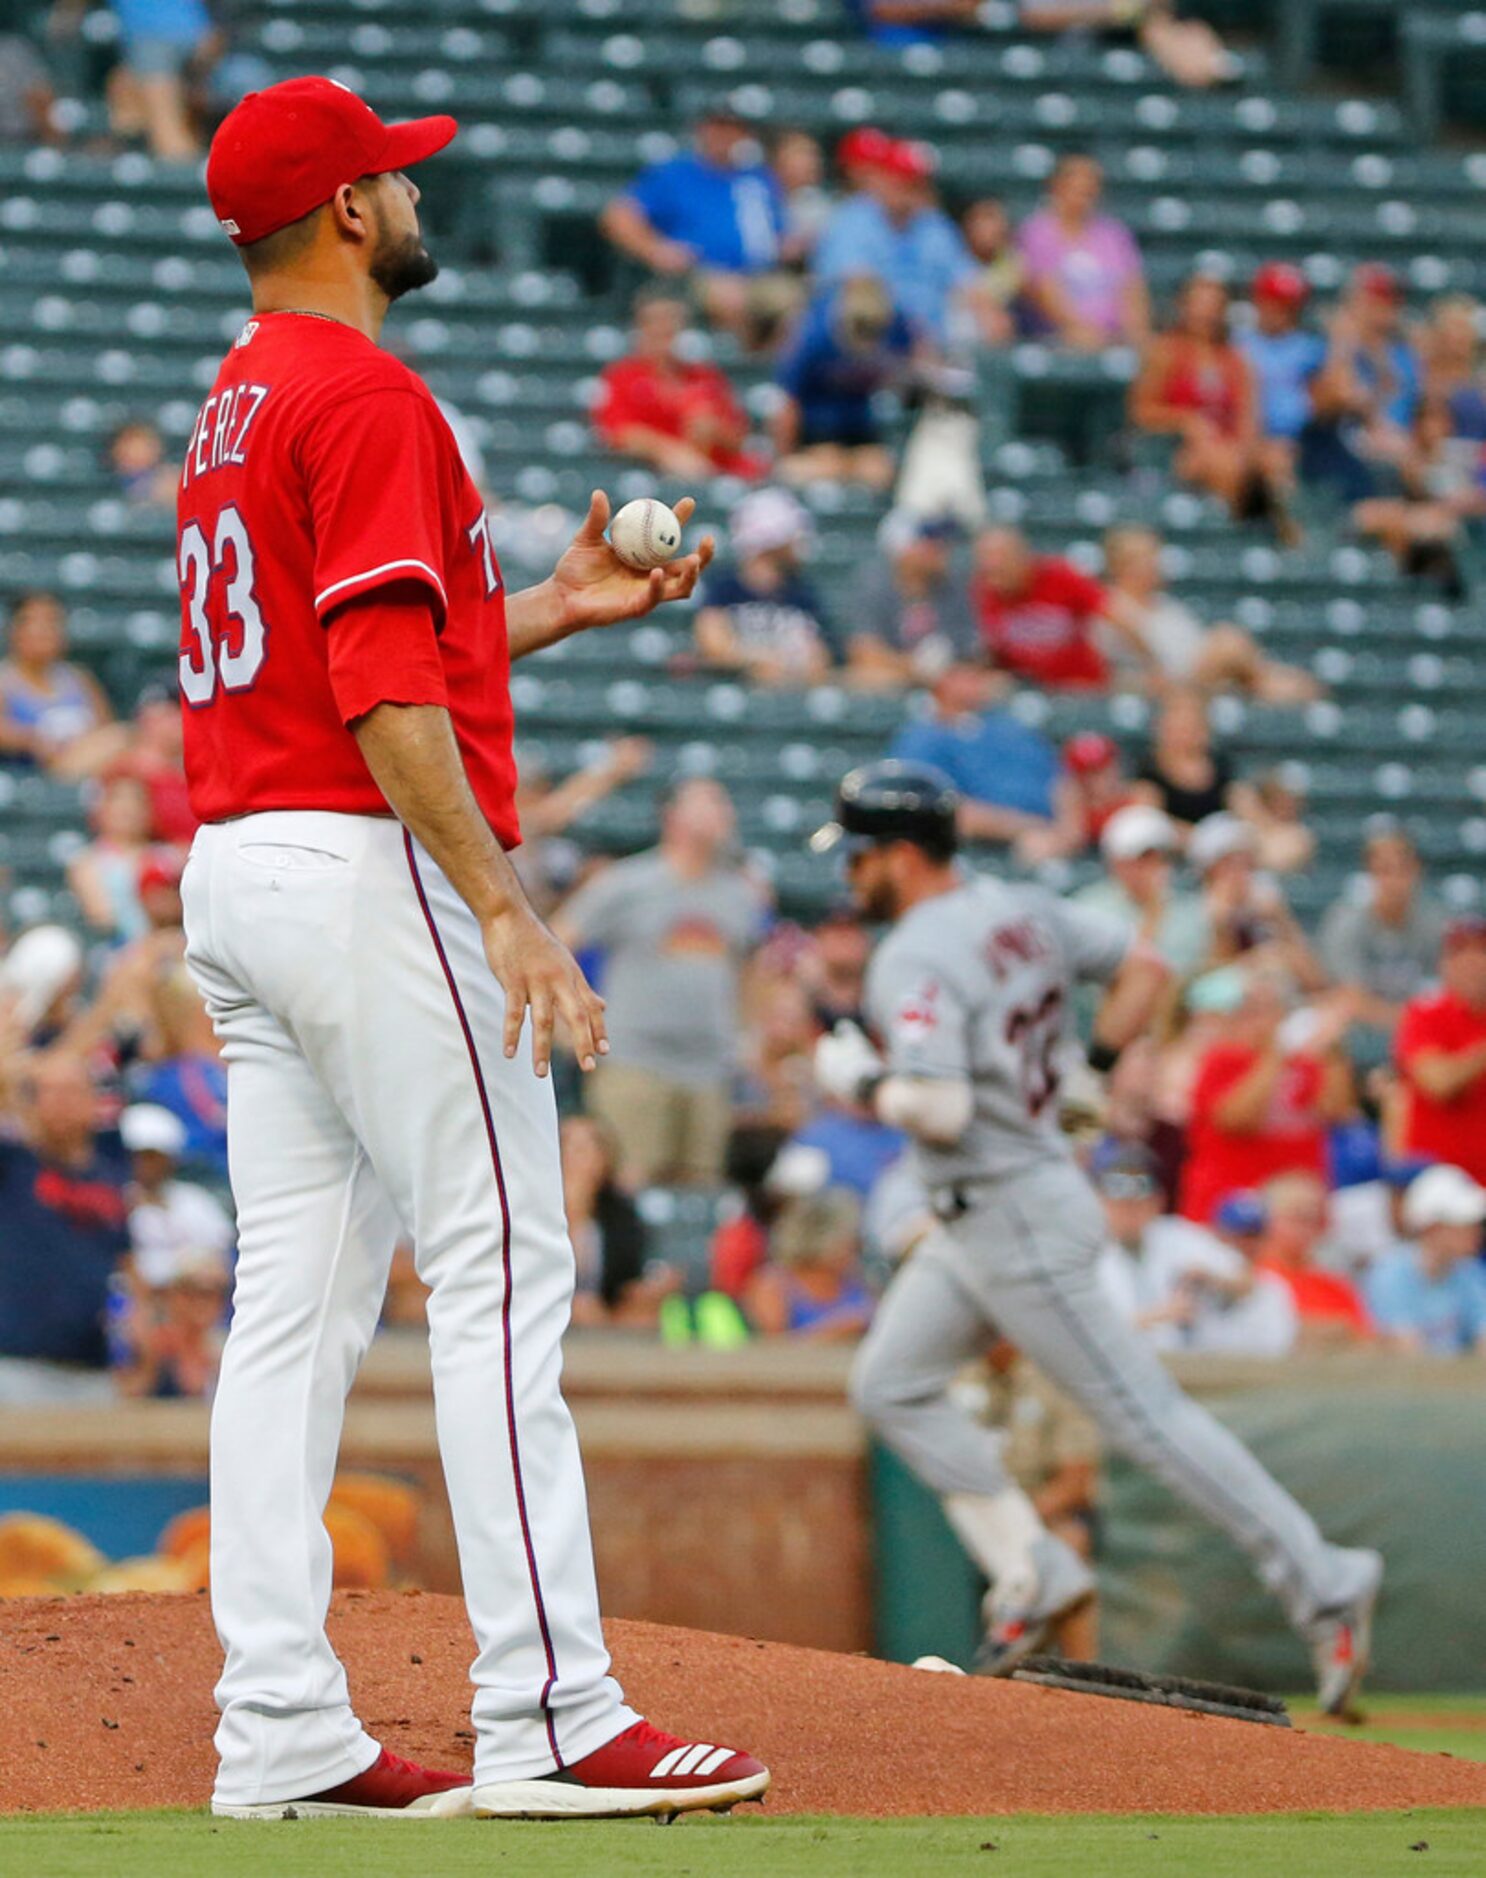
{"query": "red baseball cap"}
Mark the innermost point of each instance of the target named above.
(1375, 279)
(862, 148)
(284, 151)
(903, 157)
(1089, 750)
(1277, 280)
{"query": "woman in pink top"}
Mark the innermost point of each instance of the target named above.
(1084, 275)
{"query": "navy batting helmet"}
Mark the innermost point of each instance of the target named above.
(892, 801)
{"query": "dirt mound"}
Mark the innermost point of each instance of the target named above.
(106, 1702)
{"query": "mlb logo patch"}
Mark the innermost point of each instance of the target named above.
(918, 1015)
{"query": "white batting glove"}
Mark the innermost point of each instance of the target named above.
(845, 1062)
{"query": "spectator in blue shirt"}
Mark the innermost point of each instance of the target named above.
(63, 1232)
(1005, 771)
(1282, 354)
(840, 1147)
(893, 228)
(910, 22)
(1451, 347)
(190, 1078)
(1365, 394)
(716, 213)
(161, 40)
(850, 344)
(1429, 1296)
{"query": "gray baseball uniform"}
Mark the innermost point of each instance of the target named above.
(975, 985)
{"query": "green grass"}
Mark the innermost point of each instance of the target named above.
(162, 1845)
(764, 1845)
(1429, 1724)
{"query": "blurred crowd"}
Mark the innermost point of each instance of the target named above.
(1296, 1157)
(874, 298)
(169, 71)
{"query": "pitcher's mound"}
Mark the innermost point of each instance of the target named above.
(106, 1702)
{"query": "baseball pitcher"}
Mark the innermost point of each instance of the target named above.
(369, 961)
(969, 993)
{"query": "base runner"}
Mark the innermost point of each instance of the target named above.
(970, 994)
(369, 961)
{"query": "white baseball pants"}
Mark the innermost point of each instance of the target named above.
(1023, 1263)
(367, 1091)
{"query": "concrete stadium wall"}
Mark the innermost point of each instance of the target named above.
(735, 1491)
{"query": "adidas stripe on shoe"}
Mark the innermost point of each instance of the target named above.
(642, 1772)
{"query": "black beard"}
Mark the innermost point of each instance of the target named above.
(879, 904)
(403, 267)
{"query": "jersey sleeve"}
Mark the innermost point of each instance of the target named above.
(921, 1017)
(383, 651)
(373, 466)
(1094, 943)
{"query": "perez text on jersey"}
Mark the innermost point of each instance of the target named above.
(321, 473)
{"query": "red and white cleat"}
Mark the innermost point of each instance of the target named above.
(391, 1788)
(642, 1771)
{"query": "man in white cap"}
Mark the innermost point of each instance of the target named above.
(174, 1225)
(1136, 846)
(760, 616)
(1429, 1295)
(38, 979)
(1244, 907)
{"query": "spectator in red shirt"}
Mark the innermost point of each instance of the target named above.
(1038, 614)
(1330, 1306)
(155, 757)
(1092, 789)
(1441, 1052)
(1198, 388)
(740, 1245)
(678, 415)
(1264, 1093)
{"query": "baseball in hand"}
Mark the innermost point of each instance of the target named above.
(645, 534)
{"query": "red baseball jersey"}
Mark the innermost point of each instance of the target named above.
(321, 472)
(1453, 1131)
(1045, 634)
(1291, 1140)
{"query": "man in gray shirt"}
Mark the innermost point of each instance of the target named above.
(969, 993)
(1385, 947)
(911, 614)
(675, 925)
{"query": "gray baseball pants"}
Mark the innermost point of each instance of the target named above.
(1022, 1263)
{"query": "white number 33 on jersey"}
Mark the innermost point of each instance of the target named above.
(234, 655)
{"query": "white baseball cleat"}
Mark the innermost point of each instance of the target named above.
(643, 1771)
(1020, 1629)
(1341, 1641)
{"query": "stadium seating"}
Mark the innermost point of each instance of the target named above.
(117, 293)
